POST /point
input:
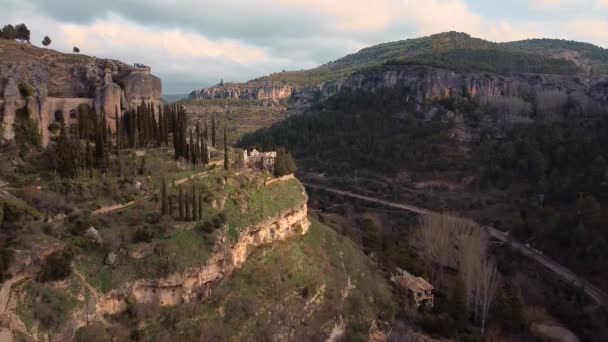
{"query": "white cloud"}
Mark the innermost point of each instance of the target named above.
(115, 32)
(433, 16)
(594, 30)
(354, 15)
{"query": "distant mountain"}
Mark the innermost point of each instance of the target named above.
(548, 54)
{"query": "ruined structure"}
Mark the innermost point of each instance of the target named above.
(417, 289)
(259, 160)
(49, 86)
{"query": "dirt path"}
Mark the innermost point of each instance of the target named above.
(5, 294)
(593, 292)
(93, 292)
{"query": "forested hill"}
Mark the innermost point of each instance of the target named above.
(574, 57)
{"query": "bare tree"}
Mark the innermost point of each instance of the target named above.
(472, 248)
(489, 280)
(435, 240)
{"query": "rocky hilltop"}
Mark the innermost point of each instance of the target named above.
(426, 82)
(51, 85)
(265, 91)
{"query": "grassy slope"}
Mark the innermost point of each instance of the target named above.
(295, 289)
(184, 248)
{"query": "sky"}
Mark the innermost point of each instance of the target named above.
(192, 44)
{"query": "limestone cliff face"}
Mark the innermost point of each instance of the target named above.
(197, 282)
(58, 83)
(268, 91)
(428, 83)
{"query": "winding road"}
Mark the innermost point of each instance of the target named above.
(597, 295)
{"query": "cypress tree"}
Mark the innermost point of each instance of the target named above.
(170, 206)
(200, 204)
(226, 162)
(164, 196)
(187, 206)
(194, 204)
(67, 162)
(213, 133)
(193, 155)
(205, 153)
(206, 132)
(180, 203)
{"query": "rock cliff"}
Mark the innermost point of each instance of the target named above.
(51, 85)
(197, 282)
(266, 91)
(426, 82)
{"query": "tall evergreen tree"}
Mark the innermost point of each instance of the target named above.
(67, 163)
(226, 161)
(194, 204)
(164, 197)
(213, 131)
(180, 203)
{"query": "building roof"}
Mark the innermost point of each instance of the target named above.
(414, 283)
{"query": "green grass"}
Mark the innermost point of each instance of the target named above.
(179, 251)
(265, 202)
(273, 292)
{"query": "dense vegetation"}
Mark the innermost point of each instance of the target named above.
(19, 32)
(492, 60)
(357, 129)
(566, 171)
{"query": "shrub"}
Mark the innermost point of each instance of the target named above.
(284, 163)
(26, 90)
(17, 211)
(26, 132)
(51, 307)
(142, 234)
(57, 266)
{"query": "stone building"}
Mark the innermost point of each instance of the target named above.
(418, 290)
(51, 89)
(259, 160)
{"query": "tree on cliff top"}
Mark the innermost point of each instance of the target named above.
(22, 33)
(226, 161)
(76, 49)
(46, 41)
(8, 32)
(284, 163)
(213, 131)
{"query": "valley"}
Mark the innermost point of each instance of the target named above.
(443, 188)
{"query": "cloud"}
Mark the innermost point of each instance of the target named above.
(590, 29)
(174, 43)
(433, 16)
(353, 15)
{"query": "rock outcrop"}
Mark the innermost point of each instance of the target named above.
(425, 82)
(265, 91)
(50, 85)
(197, 282)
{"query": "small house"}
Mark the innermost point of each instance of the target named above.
(418, 289)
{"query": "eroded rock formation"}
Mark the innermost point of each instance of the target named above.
(197, 282)
(266, 91)
(48, 86)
